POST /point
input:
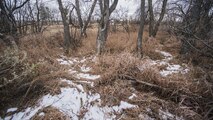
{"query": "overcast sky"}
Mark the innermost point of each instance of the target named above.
(130, 5)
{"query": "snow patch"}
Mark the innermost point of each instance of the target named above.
(173, 69)
(123, 105)
(71, 101)
(87, 76)
(106, 113)
(170, 69)
(132, 96)
(85, 69)
(65, 62)
(71, 71)
(166, 115)
(80, 87)
(41, 114)
(145, 117)
(12, 110)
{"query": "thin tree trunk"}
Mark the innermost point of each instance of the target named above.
(67, 37)
(140, 32)
(88, 19)
(163, 10)
(151, 18)
(78, 11)
(103, 29)
(104, 24)
(153, 28)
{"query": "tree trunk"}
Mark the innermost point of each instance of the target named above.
(104, 24)
(78, 11)
(67, 38)
(140, 32)
(88, 19)
(153, 28)
(191, 21)
(151, 18)
(103, 28)
(163, 10)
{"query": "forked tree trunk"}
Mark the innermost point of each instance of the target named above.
(163, 11)
(104, 23)
(78, 11)
(103, 28)
(67, 38)
(83, 26)
(153, 28)
(140, 32)
(84, 32)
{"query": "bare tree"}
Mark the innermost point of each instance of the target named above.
(140, 32)
(106, 11)
(197, 27)
(68, 41)
(8, 7)
(78, 11)
(153, 27)
(84, 24)
(120, 17)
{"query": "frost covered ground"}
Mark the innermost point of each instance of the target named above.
(74, 99)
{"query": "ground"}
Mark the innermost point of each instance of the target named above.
(116, 85)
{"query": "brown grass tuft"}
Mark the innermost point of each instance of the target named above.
(49, 113)
(33, 70)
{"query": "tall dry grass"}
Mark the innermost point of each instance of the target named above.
(119, 42)
(31, 71)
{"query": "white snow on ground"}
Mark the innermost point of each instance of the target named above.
(143, 116)
(173, 69)
(106, 113)
(87, 76)
(85, 69)
(70, 102)
(64, 62)
(166, 54)
(166, 115)
(73, 99)
(12, 110)
(123, 105)
(41, 114)
(132, 96)
(170, 69)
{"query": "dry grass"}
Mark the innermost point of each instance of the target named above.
(117, 83)
(119, 69)
(172, 45)
(120, 42)
(34, 70)
(49, 113)
(40, 48)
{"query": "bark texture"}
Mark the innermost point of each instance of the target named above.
(106, 11)
(153, 27)
(140, 32)
(68, 42)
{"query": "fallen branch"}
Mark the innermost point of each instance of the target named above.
(166, 91)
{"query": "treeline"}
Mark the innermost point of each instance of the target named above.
(190, 20)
